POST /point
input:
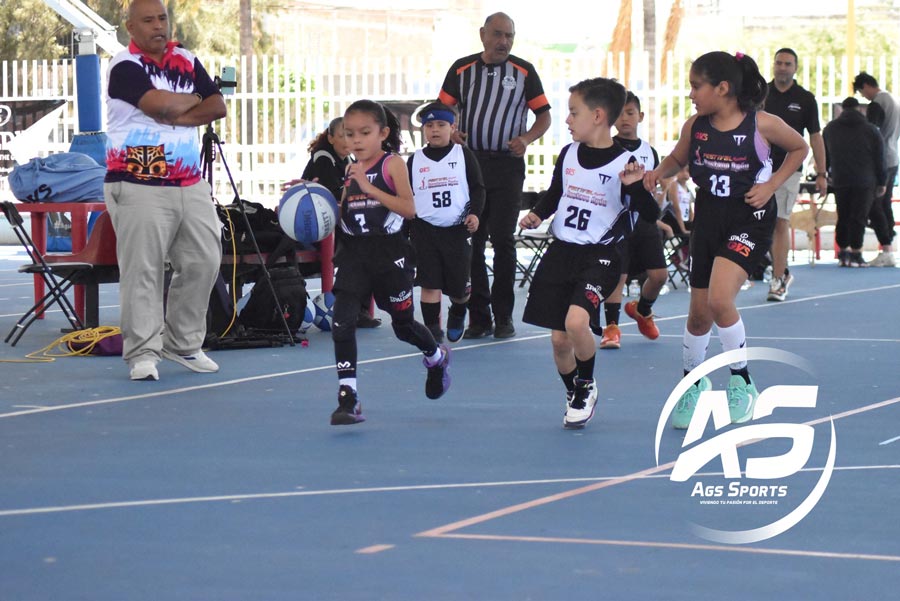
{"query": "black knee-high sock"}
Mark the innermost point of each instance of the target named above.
(612, 312)
(345, 358)
(346, 309)
(585, 368)
(569, 379)
(431, 314)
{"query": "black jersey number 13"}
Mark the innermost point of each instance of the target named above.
(578, 218)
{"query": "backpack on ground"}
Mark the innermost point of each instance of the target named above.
(261, 312)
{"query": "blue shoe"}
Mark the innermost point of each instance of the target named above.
(684, 409)
(741, 398)
(349, 409)
(438, 380)
(455, 327)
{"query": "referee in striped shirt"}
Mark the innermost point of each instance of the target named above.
(493, 91)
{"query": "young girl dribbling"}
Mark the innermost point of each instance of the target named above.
(374, 258)
(726, 145)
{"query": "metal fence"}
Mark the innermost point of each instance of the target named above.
(282, 102)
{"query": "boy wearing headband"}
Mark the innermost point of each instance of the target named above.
(449, 195)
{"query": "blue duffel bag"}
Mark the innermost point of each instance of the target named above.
(61, 177)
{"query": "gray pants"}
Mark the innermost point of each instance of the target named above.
(156, 224)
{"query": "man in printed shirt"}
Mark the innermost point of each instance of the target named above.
(161, 209)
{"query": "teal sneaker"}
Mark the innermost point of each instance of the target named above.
(741, 398)
(684, 409)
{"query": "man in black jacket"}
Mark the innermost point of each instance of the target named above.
(855, 155)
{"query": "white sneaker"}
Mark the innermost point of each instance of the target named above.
(144, 370)
(580, 409)
(197, 361)
(883, 259)
(778, 287)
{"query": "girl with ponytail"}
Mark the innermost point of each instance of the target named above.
(375, 258)
(726, 147)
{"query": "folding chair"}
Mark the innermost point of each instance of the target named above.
(678, 259)
(57, 279)
(100, 254)
(535, 241)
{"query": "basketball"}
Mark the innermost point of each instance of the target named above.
(308, 320)
(324, 309)
(308, 212)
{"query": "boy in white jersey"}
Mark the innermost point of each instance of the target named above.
(642, 251)
(596, 195)
(449, 193)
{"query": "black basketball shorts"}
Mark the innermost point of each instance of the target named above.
(731, 229)
(642, 250)
(379, 266)
(443, 257)
(571, 274)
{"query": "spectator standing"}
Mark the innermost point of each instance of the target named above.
(494, 91)
(856, 163)
(867, 85)
(161, 208)
(798, 108)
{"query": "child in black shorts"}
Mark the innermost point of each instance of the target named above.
(727, 146)
(374, 257)
(449, 195)
(642, 251)
(594, 194)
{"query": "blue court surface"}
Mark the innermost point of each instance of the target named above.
(233, 486)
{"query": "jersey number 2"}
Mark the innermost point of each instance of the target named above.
(578, 218)
(720, 185)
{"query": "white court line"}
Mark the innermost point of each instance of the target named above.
(889, 441)
(382, 359)
(788, 338)
(149, 395)
(366, 490)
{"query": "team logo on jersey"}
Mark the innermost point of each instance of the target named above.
(508, 83)
(570, 171)
(452, 164)
(371, 177)
(424, 169)
(739, 139)
(604, 178)
(604, 262)
(759, 214)
(422, 186)
(701, 135)
(401, 263)
(644, 159)
(794, 107)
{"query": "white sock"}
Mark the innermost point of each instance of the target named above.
(436, 358)
(694, 349)
(351, 382)
(733, 337)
